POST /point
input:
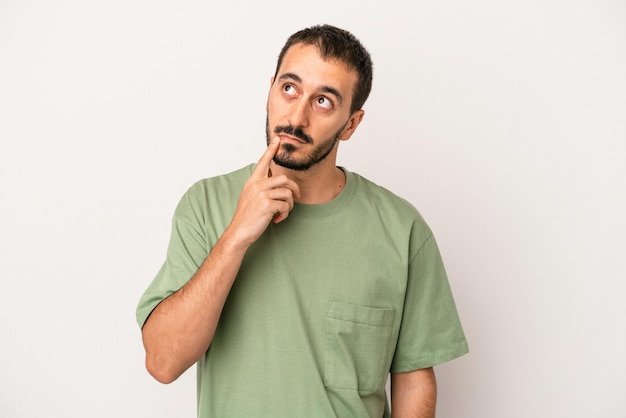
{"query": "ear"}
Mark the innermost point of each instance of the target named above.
(352, 124)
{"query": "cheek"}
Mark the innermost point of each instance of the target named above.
(274, 109)
(275, 98)
(331, 129)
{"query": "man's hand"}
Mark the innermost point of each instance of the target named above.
(264, 199)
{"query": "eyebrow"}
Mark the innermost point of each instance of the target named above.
(325, 89)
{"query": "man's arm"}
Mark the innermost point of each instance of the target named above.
(414, 394)
(180, 329)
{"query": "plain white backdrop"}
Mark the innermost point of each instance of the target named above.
(504, 123)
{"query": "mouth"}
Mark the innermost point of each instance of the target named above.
(291, 139)
(293, 135)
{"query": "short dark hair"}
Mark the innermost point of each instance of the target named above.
(335, 43)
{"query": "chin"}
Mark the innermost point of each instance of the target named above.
(292, 165)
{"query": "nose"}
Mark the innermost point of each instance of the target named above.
(299, 116)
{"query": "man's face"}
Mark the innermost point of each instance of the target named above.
(309, 107)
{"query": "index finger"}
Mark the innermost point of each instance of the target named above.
(262, 168)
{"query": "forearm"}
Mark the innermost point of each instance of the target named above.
(414, 394)
(181, 328)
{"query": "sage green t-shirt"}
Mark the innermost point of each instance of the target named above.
(325, 305)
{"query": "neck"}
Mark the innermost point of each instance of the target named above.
(319, 184)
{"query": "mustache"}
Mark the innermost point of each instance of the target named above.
(295, 132)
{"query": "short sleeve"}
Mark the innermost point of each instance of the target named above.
(430, 332)
(186, 251)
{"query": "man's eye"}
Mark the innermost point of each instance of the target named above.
(289, 89)
(324, 102)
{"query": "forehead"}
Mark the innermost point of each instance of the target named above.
(306, 62)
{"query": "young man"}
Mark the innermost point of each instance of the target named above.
(295, 285)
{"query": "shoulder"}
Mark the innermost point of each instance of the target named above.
(397, 215)
(214, 192)
(383, 198)
(228, 181)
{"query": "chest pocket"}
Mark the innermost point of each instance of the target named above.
(357, 346)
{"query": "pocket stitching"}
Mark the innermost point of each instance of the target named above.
(369, 318)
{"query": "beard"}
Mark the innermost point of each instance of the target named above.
(285, 155)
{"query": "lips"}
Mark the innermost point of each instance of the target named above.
(294, 134)
(289, 138)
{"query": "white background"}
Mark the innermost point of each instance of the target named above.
(503, 122)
